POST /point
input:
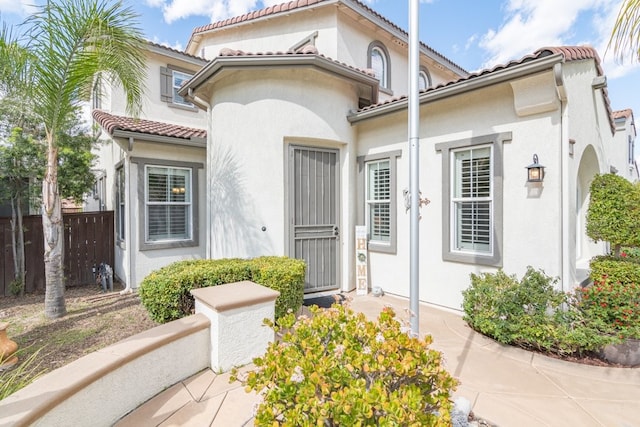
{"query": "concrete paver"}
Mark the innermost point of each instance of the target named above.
(507, 386)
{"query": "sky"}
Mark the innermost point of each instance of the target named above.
(475, 34)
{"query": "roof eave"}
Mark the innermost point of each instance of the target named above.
(489, 79)
(199, 35)
(222, 63)
(141, 136)
(174, 54)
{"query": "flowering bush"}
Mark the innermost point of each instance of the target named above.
(612, 307)
(529, 313)
(337, 368)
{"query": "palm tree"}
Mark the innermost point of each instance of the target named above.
(72, 42)
(625, 37)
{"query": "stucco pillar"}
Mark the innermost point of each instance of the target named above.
(236, 311)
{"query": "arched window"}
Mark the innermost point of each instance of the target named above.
(424, 79)
(378, 61)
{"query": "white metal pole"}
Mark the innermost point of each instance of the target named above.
(414, 153)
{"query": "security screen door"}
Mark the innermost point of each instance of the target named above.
(314, 230)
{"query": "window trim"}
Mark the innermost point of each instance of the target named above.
(167, 86)
(456, 199)
(392, 156)
(425, 72)
(448, 149)
(142, 164)
(120, 200)
(385, 86)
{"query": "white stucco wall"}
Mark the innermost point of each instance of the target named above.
(275, 33)
(256, 115)
(339, 36)
(142, 262)
(153, 108)
(625, 129)
(531, 226)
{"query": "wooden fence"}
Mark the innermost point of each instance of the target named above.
(88, 241)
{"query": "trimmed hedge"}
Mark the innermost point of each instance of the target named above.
(615, 269)
(165, 293)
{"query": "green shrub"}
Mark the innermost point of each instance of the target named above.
(528, 313)
(618, 269)
(337, 368)
(285, 275)
(614, 211)
(612, 307)
(165, 293)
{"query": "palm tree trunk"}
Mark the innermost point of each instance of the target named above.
(54, 305)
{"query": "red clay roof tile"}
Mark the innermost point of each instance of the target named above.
(306, 50)
(298, 4)
(570, 53)
(112, 122)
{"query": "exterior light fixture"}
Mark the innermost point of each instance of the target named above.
(535, 171)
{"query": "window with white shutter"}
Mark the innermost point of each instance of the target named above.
(168, 203)
(472, 200)
(378, 201)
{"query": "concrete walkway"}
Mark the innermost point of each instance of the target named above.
(507, 386)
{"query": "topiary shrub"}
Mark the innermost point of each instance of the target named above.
(337, 368)
(614, 211)
(624, 269)
(285, 275)
(165, 293)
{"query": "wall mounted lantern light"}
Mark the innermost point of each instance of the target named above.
(535, 171)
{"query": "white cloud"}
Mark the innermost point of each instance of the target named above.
(177, 45)
(532, 24)
(21, 7)
(216, 10)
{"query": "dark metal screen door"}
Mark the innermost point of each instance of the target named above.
(314, 214)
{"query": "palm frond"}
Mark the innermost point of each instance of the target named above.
(73, 41)
(625, 37)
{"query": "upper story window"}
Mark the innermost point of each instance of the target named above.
(96, 95)
(178, 79)
(630, 149)
(378, 61)
(424, 79)
(171, 79)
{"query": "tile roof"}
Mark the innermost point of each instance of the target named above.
(170, 49)
(305, 51)
(626, 114)
(112, 123)
(299, 4)
(570, 53)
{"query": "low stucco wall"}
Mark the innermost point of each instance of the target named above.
(107, 384)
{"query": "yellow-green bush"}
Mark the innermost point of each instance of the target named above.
(615, 269)
(165, 293)
(336, 368)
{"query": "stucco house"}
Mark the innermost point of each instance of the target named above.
(280, 131)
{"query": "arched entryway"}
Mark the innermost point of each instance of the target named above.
(585, 247)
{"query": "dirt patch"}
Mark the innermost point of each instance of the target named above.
(94, 320)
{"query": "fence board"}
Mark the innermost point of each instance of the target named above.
(88, 241)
